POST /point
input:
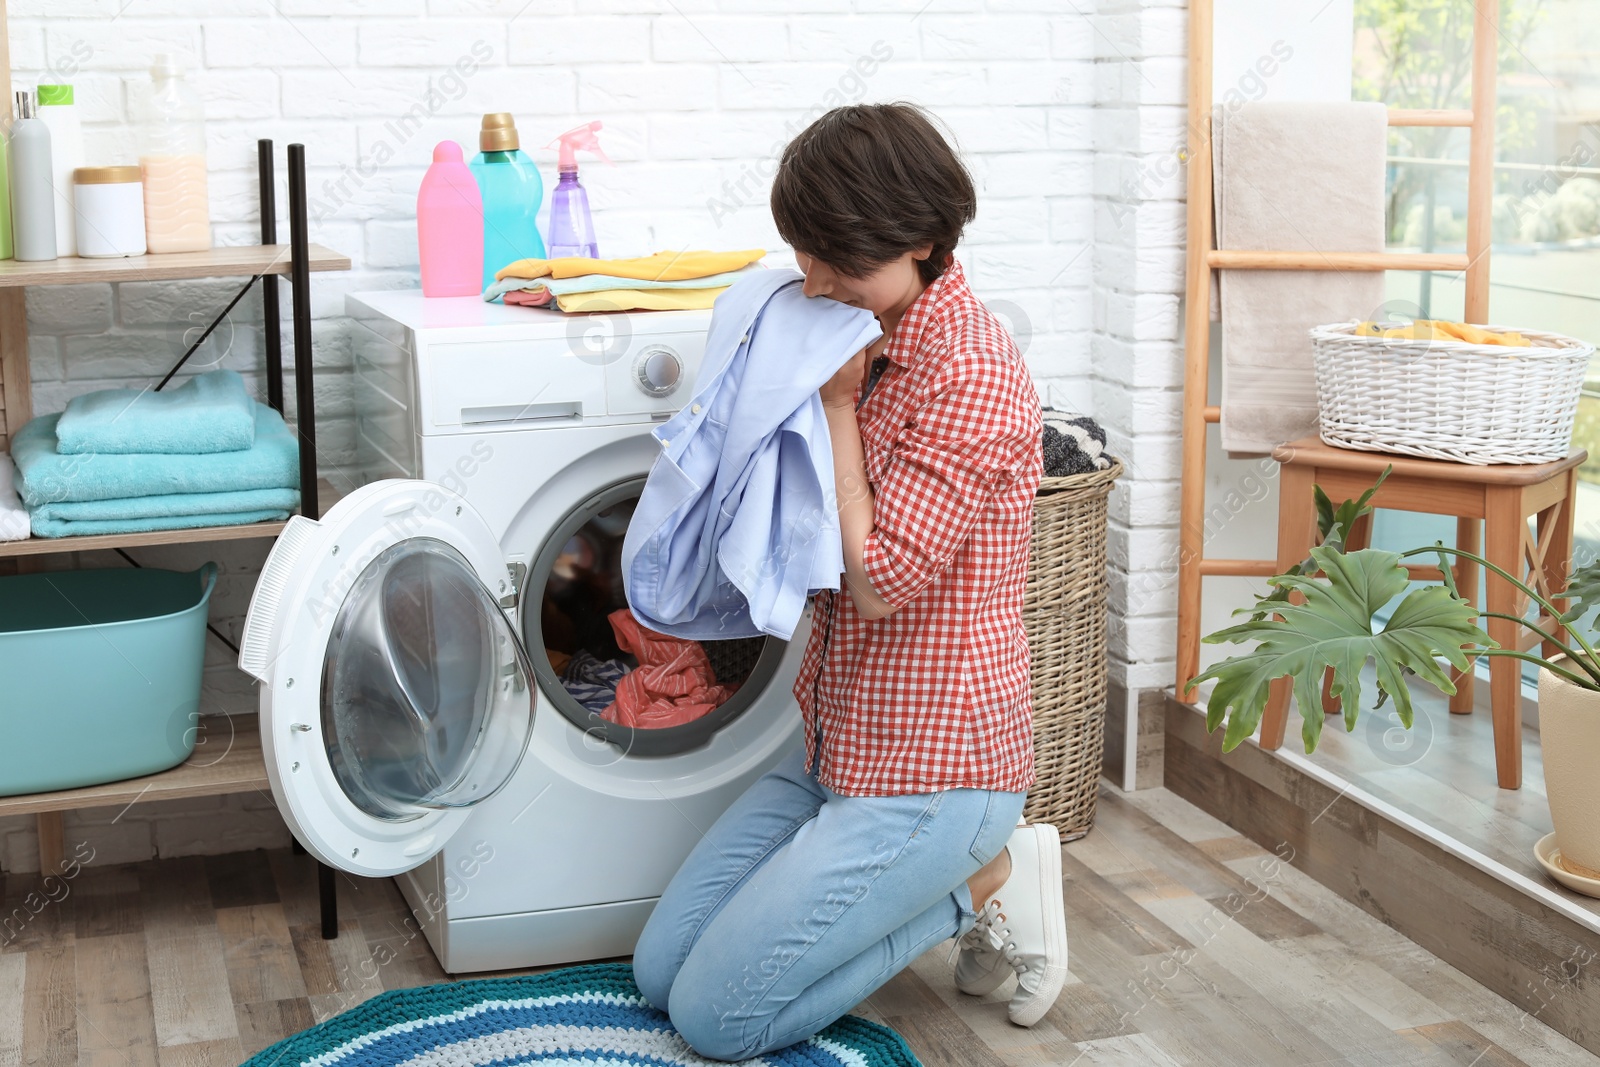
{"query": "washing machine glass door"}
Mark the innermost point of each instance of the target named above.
(395, 693)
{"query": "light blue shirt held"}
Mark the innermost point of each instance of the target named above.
(737, 524)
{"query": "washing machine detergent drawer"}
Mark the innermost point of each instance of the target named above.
(485, 385)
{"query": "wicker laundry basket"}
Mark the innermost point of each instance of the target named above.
(1452, 400)
(1064, 611)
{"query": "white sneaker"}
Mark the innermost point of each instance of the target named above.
(982, 966)
(1022, 929)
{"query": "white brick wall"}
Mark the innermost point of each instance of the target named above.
(1068, 116)
(1135, 385)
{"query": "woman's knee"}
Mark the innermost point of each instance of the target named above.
(714, 1028)
(655, 967)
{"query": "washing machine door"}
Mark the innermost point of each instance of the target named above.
(395, 694)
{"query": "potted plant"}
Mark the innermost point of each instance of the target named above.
(1319, 621)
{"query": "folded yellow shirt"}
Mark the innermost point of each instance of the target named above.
(1438, 330)
(657, 267)
(640, 299)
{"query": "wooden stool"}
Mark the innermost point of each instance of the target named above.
(1502, 496)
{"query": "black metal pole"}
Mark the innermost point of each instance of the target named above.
(300, 291)
(328, 897)
(305, 410)
(269, 284)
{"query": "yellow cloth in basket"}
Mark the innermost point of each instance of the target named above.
(1438, 330)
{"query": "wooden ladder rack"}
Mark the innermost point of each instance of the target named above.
(1202, 259)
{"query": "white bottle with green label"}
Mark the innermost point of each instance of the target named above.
(59, 112)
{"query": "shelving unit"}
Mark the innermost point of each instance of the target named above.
(239, 768)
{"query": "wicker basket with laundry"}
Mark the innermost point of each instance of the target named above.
(1064, 611)
(1449, 390)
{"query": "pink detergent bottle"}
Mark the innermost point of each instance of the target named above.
(450, 226)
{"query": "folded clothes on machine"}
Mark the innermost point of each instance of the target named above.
(211, 412)
(665, 281)
(656, 267)
(621, 300)
(673, 684)
(569, 293)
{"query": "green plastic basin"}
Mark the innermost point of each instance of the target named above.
(99, 674)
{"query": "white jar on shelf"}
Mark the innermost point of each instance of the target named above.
(109, 205)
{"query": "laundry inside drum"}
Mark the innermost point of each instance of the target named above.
(616, 676)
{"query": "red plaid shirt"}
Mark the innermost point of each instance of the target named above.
(936, 696)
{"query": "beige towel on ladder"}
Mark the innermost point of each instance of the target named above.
(1291, 177)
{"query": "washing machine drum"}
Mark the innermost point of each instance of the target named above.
(645, 693)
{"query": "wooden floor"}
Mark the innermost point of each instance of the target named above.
(1190, 945)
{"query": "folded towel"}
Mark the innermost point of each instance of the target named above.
(174, 511)
(14, 525)
(171, 505)
(1292, 177)
(641, 300)
(48, 477)
(548, 288)
(211, 412)
(656, 267)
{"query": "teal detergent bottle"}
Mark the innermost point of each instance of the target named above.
(512, 193)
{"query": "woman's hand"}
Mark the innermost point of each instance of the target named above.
(840, 390)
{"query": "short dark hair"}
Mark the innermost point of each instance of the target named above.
(866, 183)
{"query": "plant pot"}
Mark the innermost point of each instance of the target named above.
(1569, 739)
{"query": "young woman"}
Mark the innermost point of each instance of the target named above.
(896, 829)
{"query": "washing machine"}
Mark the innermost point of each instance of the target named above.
(411, 644)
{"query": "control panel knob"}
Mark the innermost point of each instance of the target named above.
(658, 370)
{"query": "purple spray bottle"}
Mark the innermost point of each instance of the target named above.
(571, 228)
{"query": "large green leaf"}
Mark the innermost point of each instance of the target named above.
(1333, 527)
(1333, 627)
(1583, 592)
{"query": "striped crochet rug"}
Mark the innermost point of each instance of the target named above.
(592, 1016)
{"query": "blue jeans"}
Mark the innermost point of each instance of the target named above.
(800, 902)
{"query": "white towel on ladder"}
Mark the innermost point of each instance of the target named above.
(14, 525)
(1291, 177)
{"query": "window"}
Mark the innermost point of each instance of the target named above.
(1545, 266)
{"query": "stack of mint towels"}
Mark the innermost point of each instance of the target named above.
(131, 461)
